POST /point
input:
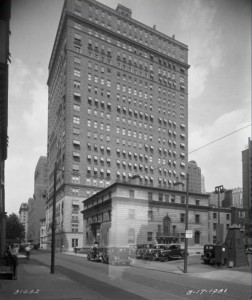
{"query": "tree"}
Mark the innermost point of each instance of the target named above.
(14, 228)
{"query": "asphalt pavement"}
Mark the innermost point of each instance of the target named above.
(34, 281)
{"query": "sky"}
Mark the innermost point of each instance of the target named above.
(218, 35)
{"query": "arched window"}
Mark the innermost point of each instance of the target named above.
(131, 236)
(167, 225)
(197, 237)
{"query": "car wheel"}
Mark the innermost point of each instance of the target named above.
(208, 255)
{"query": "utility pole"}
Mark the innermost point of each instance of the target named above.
(53, 220)
(219, 189)
(186, 222)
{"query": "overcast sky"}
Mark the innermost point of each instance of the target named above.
(218, 34)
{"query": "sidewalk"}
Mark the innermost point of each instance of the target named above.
(34, 281)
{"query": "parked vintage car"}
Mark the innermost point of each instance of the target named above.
(116, 256)
(173, 251)
(248, 250)
(209, 254)
(140, 253)
(153, 254)
(95, 254)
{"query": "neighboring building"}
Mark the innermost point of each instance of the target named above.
(247, 187)
(213, 200)
(23, 217)
(118, 106)
(31, 221)
(195, 178)
(233, 198)
(126, 213)
(37, 207)
(203, 186)
(5, 14)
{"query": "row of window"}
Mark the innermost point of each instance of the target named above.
(165, 45)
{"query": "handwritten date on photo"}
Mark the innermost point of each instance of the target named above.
(28, 292)
(202, 291)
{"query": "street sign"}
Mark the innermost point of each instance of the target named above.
(189, 234)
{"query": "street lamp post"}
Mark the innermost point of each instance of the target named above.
(219, 189)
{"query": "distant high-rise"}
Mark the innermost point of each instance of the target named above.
(194, 177)
(203, 186)
(118, 106)
(37, 205)
(23, 217)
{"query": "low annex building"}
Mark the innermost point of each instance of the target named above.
(128, 213)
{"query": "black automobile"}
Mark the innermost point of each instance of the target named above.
(248, 249)
(173, 251)
(209, 254)
(152, 254)
(140, 253)
(95, 254)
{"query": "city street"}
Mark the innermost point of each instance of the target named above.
(141, 281)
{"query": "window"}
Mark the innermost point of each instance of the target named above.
(160, 197)
(149, 236)
(78, 73)
(227, 217)
(76, 107)
(183, 199)
(131, 236)
(74, 243)
(182, 218)
(76, 179)
(75, 227)
(76, 120)
(214, 226)
(131, 193)
(76, 84)
(76, 131)
(197, 202)
(197, 219)
(131, 213)
(182, 237)
(150, 215)
(77, 60)
(150, 196)
(75, 168)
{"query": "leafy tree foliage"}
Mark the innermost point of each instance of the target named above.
(14, 228)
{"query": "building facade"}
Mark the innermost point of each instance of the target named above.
(126, 213)
(118, 106)
(130, 213)
(23, 217)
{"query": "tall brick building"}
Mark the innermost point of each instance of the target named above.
(118, 106)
